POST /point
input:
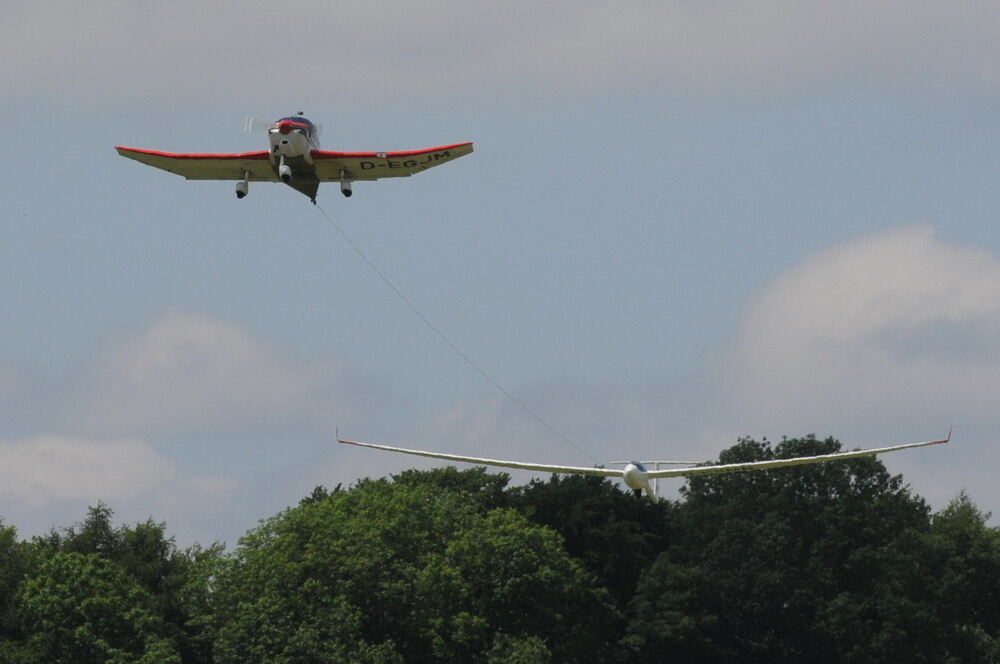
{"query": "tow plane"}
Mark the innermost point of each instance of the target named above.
(294, 158)
(637, 476)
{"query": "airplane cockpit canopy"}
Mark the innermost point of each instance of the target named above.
(297, 119)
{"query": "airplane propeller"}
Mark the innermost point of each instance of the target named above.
(254, 124)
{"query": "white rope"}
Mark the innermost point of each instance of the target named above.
(482, 372)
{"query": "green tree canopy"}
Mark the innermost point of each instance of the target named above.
(612, 532)
(14, 565)
(966, 556)
(81, 608)
(173, 580)
(405, 572)
(819, 563)
(836, 562)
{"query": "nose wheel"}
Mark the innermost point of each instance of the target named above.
(284, 171)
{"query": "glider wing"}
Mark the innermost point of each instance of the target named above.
(207, 166)
(781, 463)
(655, 474)
(335, 166)
(517, 465)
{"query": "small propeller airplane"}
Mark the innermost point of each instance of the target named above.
(295, 159)
(635, 474)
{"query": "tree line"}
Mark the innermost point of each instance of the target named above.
(835, 562)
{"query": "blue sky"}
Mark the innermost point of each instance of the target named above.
(683, 223)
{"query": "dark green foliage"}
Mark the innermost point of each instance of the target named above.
(169, 581)
(83, 608)
(488, 490)
(614, 533)
(812, 563)
(836, 562)
(966, 553)
(14, 565)
(403, 571)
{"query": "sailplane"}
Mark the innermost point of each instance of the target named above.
(635, 474)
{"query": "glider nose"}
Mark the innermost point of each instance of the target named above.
(635, 476)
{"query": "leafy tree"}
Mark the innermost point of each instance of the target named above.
(487, 489)
(612, 532)
(836, 562)
(95, 535)
(525, 650)
(14, 565)
(82, 608)
(146, 555)
(966, 555)
(404, 571)
(819, 563)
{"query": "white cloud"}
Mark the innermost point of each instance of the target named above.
(413, 51)
(888, 338)
(243, 419)
(896, 332)
(45, 469)
(895, 324)
(50, 480)
(188, 373)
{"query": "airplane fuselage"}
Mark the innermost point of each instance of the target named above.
(292, 141)
(292, 137)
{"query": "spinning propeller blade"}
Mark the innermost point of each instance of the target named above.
(254, 124)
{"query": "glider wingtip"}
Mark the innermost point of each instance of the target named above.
(942, 441)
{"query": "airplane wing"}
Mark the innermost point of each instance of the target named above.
(517, 465)
(781, 463)
(376, 165)
(207, 166)
(655, 474)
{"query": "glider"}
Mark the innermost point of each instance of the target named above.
(294, 158)
(637, 477)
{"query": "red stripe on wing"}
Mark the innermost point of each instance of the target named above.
(175, 155)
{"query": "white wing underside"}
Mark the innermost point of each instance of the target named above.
(327, 165)
(781, 463)
(517, 465)
(655, 474)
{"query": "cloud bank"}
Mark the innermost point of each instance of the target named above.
(182, 420)
(893, 325)
(419, 52)
(193, 373)
(45, 469)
